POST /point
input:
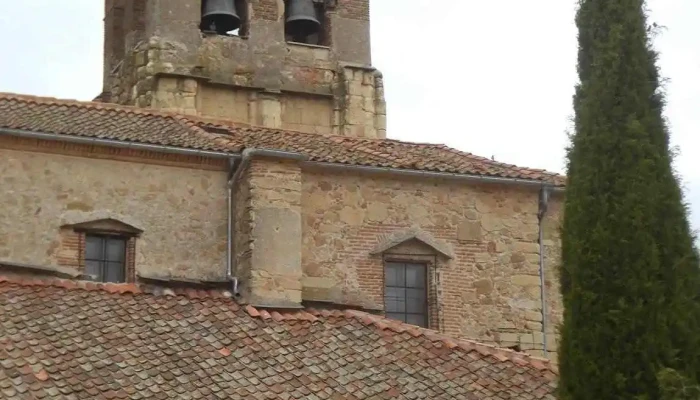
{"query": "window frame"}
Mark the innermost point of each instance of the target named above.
(104, 261)
(426, 288)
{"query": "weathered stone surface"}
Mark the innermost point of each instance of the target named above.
(491, 283)
(469, 230)
(268, 240)
(230, 76)
(525, 280)
(483, 286)
(180, 210)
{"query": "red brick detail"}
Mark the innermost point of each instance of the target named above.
(131, 260)
(447, 282)
(266, 10)
(353, 9)
(72, 253)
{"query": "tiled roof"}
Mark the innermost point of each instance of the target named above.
(68, 340)
(124, 123)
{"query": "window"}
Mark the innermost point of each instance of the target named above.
(405, 293)
(105, 258)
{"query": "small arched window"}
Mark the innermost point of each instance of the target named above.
(107, 250)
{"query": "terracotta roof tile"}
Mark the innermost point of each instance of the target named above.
(131, 124)
(73, 340)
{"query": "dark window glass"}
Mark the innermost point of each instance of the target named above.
(405, 293)
(105, 258)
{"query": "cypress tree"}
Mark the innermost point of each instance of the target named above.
(630, 277)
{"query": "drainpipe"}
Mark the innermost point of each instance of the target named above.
(233, 168)
(234, 176)
(543, 203)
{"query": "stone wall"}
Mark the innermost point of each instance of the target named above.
(268, 233)
(259, 78)
(181, 211)
(489, 290)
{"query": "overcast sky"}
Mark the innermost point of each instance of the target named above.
(494, 78)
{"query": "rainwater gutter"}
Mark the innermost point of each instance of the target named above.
(235, 175)
(117, 143)
(433, 174)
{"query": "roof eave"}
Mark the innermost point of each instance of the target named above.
(323, 164)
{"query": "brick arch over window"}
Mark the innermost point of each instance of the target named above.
(411, 259)
(404, 236)
(102, 249)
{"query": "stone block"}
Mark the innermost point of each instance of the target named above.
(527, 247)
(140, 58)
(167, 84)
(483, 286)
(517, 258)
(525, 338)
(538, 338)
(533, 316)
(321, 54)
(491, 223)
(469, 230)
(189, 85)
(508, 339)
(525, 280)
(533, 326)
(352, 216)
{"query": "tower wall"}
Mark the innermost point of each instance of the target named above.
(257, 77)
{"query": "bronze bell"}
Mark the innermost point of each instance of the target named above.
(220, 16)
(301, 18)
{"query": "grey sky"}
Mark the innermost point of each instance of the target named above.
(494, 78)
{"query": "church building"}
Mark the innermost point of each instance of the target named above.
(232, 195)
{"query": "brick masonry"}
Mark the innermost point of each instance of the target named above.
(354, 9)
(490, 291)
(268, 10)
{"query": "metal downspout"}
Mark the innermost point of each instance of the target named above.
(543, 203)
(229, 224)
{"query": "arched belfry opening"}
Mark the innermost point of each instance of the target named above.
(305, 22)
(224, 17)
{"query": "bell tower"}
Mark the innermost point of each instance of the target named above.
(293, 64)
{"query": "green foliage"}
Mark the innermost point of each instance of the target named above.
(675, 386)
(630, 277)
